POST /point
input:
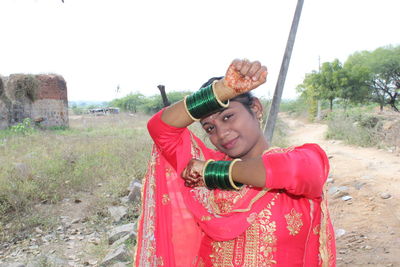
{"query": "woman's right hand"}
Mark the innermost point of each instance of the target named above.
(243, 75)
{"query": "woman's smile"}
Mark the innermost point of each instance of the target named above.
(230, 144)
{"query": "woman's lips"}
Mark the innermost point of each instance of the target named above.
(230, 144)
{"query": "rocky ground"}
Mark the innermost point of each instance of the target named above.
(79, 240)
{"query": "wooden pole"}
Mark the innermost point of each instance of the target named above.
(276, 101)
(163, 95)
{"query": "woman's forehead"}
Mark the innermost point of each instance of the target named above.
(232, 106)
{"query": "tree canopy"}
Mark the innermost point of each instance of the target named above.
(365, 76)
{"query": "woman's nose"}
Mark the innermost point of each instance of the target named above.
(223, 131)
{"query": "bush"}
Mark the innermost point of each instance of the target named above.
(26, 127)
(297, 107)
(354, 127)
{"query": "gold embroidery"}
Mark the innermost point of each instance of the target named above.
(147, 217)
(165, 199)
(275, 149)
(253, 248)
(257, 197)
(222, 253)
(252, 217)
(205, 218)
(294, 222)
(316, 229)
(267, 236)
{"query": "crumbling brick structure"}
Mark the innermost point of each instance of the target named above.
(43, 98)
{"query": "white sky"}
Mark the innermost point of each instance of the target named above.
(99, 44)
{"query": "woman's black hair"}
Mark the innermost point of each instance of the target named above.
(246, 99)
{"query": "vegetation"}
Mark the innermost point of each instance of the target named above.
(44, 167)
(354, 126)
(26, 86)
(137, 102)
(364, 77)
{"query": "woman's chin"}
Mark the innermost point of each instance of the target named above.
(235, 153)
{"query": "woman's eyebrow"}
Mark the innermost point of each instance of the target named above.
(218, 113)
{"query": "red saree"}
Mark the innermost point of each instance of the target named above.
(286, 225)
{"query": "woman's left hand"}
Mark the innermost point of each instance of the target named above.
(193, 173)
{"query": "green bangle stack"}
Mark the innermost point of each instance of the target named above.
(217, 174)
(203, 102)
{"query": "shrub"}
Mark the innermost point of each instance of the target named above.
(25, 127)
(354, 127)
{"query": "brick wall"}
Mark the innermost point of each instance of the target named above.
(49, 106)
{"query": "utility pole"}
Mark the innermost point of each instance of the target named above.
(276, 101)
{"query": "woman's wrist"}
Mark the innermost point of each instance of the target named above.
(222, 91)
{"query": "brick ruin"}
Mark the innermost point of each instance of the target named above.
(43, 98)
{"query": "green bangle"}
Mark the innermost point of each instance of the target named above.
(208, 177)
(216, 175)
(224, 175)
(203, 102)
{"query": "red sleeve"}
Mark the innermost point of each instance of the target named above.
(166, 137)
(301, 171)
(170, 139)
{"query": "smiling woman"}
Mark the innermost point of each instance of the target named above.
(243, 204)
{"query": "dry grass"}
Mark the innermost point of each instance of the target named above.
(363, 127)
(47, 166)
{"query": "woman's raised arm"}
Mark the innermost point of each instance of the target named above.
(241, 76)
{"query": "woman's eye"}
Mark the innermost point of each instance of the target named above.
(209, 129)
(226, 117)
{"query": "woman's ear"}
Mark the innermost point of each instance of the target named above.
(257, 107)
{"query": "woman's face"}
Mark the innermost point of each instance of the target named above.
(236, 132)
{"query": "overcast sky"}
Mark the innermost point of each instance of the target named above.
(97, 45)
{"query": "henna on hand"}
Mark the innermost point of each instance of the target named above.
(243, 76)
(192, 174)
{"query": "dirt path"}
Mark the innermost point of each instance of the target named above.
(371, 177)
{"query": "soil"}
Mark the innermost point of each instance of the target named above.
(368, 225)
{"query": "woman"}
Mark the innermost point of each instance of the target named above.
(242, 204)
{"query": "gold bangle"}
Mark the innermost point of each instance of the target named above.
(222, 104)
(204, 170)
(230, 174)
(187, 111)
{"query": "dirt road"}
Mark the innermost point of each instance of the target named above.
(367, 225)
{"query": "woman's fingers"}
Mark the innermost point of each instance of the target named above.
(248, 69)
(246, 66)
(254, 68)
(261, 74)
(237, 63)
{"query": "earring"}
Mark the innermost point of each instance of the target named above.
(261, 120)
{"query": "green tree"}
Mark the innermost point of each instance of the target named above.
(326, 84)
(309, 92)
(131, 102)
(330, 81)
(381, 69)
(355, 89)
